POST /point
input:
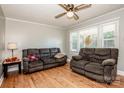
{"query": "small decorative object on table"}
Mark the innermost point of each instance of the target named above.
(9, 62)
(12, 59)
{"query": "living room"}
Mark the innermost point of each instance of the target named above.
(59, 51)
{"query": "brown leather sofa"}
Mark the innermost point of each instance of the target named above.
(99, 64)
(47, 59)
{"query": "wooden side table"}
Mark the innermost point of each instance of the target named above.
(6, 64)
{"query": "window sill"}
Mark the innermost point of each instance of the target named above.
(74, 51)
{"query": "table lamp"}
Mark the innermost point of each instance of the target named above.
(12, 46)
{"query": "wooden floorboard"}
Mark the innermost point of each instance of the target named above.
(59, 77)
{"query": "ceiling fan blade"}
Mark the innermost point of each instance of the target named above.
(60, 15)
(80, 7)
(76, 17)
(64, 6)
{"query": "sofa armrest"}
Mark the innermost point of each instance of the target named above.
(109, 62)
(65, 57)
(78, 57)
(25, 64)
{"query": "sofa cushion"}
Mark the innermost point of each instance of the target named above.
(86, 53)
(45, 53)
(33, 51)
(63, 59)
(79, 64)
(78, 70)
(54, 51)
(35, 64)
(94, 68)
(34, 69)
(77, 58)
(102, 51)
(98, 58)
(47, 66)
(48, 60)
(100, 54)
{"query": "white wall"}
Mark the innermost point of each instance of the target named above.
(32, 35)
(2, 43)
(115, 14)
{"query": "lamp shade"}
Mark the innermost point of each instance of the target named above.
(12, 45)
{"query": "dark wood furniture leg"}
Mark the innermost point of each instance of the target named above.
(5, 70)
(19, 67)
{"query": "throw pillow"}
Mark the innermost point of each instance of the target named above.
(33, 57)
(59, 55)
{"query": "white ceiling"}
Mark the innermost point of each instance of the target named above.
(44, 13)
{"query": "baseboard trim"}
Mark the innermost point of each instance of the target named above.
(1, 79)
(119, 72)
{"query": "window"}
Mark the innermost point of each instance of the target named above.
(109, 36)
(88, 38)
(102, 35)
(74, 41)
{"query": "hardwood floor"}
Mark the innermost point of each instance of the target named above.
(59, 77)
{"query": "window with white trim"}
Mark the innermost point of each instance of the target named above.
(74, 41)
(109, 35)
(102, 36)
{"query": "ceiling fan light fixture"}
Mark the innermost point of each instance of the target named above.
(70, 14)
(71, 10)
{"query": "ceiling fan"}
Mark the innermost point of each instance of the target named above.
(71, 10)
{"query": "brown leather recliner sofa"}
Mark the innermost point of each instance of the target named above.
(46, 60)
(99, 64)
